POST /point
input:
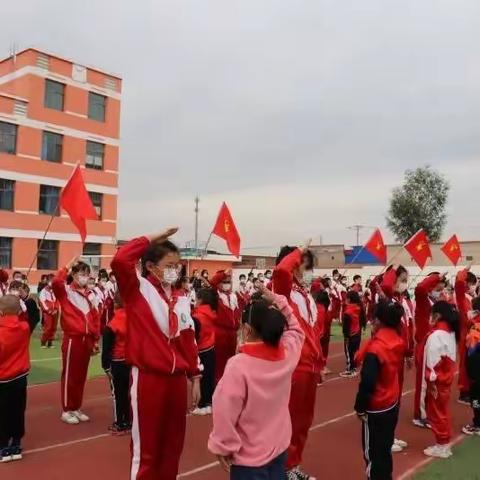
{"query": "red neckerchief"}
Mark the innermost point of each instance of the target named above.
(441, 325)
(298, 288)
(263, 351)
(172, 316)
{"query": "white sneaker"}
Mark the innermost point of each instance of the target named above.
(70, 418)
(326, 371)
(421, 423)
(402, 444)
(396, 448)
(208, 410)
(438, 451)
(200, 412)
(81, 416)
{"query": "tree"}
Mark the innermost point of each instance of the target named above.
(419, 203)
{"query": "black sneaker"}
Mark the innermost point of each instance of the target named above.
(464, 399)
(5, 455)
(16, 452)
(300, 475)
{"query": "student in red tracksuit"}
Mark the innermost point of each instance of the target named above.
(427, 292)
(438, 362)
(108, 296)
(465, 285)
(394, 286)
(162, 351)
(292, 265)
(117, 369)
(205, 317)
(81, 330)
(49, 305)
(353, 322)
(322, 300)
(15, 334)
(325, 340)
(377, 402)
(228, 321)
(243, 294)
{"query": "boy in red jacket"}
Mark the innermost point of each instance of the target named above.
(14, 368)
(162, 351)
(465, 286)
(49, 306)
(427, 292)
(118, 371)
(228, 321)
(293, 265)
(80, 323)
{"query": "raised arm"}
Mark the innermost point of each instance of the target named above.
(218, 278)
(388, 282)
(282, 278)
(461, 289)
(294, 336)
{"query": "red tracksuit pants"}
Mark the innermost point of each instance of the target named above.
(325, 340)
(159, 408)
(463, 380)
(76, 353)
(49, 327)
(439, 414)
(225, 348)
(301, 406)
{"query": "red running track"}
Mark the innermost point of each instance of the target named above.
(56, 451)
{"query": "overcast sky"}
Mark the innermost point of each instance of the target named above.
(301, 114)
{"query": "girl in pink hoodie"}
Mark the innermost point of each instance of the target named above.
(251, 421)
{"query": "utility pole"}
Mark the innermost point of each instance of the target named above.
(197, 201)
(357, 228)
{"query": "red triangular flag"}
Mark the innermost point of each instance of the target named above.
(225, 228)
(376, 246)
(419, 248)
(452, 249)
(75, 200)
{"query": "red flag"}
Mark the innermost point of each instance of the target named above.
(225, 228)
(376, 246)
(419, 248)
(452, 249)
(75, 200)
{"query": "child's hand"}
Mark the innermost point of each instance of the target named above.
(196, 395)
(432, 388)
(267, 294)
(225, 462)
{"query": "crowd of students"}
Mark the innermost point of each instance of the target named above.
(251, 352)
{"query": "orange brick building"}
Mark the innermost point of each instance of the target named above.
(54, 114)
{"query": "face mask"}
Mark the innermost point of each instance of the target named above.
(102, 283)
(402, 287)
(242, 282)
(308, 276)
(15, 293)
(436, 295)
(226, 287)
(82, 281)
(18, 279)
(170, 275)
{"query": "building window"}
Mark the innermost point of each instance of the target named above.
(5, 252)
(54, 94)
(49, 199)
(47, 255)
(97, 200)
(95, 152)
(96, 106)
(91, 253)
(7, 193)
(52, 147)
(8, 138)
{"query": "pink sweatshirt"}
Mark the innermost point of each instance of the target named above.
(251, 420)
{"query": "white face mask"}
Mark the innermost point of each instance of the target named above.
(82, 281)
(170, 275)
(226, 287)
(436, 294)
(15, 293)
(472, 290)
(308, 277)
(402, 287)
(18, 279)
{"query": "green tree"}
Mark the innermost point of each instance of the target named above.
(419, 203)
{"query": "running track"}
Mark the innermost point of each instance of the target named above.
(56, 451)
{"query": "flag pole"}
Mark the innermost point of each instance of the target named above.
(204, 254)
(353, 259)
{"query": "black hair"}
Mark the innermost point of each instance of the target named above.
(204, 272)
(103, 274)
(182, 277)
(208, 296)
(43, 277)
(50, 276)
(269, 323)
(80, 267)
(251, 274)
(476, 304)
(368, 282)
(268, 271)
(102, 271)
(323, 298)
(16, 285)
(449, 314)
(343, 277)
(400, 269)
(354, 297)
(471, 278)
(242, 276)
(356, 277)
(307, 256)
(16, 272)
(155, 252)
(335, 272)
(389, 314)
(325, 282)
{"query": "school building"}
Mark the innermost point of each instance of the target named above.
(55, 113)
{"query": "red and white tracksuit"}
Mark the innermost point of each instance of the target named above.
(226, 327)
(307, 374)
(438, 361)
(464, 305)
(423, 311)
(81, 330)
(162, 351)
(108, 310)
(49, 306)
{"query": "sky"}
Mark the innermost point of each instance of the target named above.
(302, 115)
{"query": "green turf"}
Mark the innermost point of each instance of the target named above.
(464, 465)
(47, 366)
